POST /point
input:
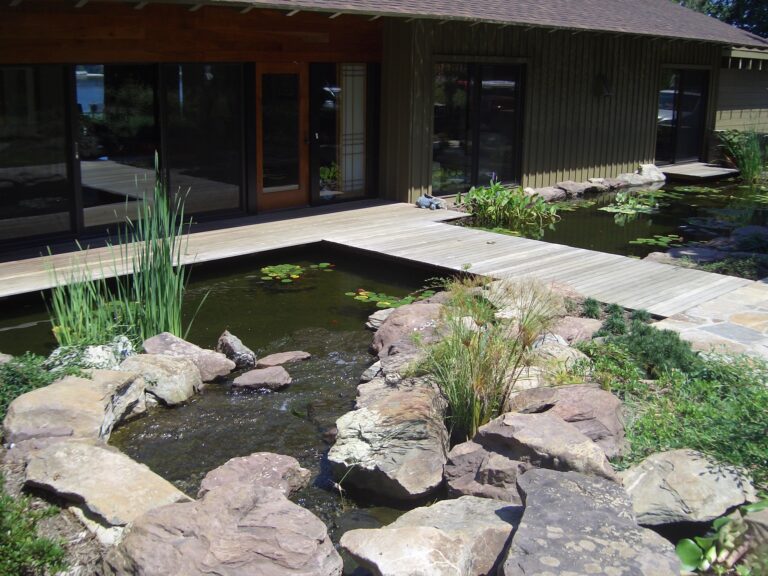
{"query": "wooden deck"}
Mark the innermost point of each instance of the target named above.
(693, 171)
(405, 232)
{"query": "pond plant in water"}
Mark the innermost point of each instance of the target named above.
(747, 151)
(86, 310)
(383, 300)
(288, 273)
(508, 209)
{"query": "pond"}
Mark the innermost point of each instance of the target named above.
(693, 213)
(311, 314)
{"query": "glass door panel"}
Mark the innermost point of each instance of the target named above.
(36, 195)
(452, 143)
(667, 117)
(117, 138)
(282, 137)
(692, 110)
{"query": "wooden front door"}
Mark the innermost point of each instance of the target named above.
(282, 159)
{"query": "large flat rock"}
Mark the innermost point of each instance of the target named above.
(684, 486)
(463, 537)
(395, 443)
(104, 482)
(472, 470)
(577, 524)
(75, 407)
(419, 319)
(173, 380)
(264, 468)
(212, 365)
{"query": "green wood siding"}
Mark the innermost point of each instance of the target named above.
(742, 102)
(570, 131)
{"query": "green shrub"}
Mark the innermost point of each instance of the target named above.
(746, 151)
(21, 375)
(22, 551)
(613, 325)
(614, 310)
(752, 267)
(658, 351)
(509, 208)
(640, 316)
(592, 309)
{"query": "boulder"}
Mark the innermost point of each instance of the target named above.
(615, 183)
(684, 486)
(5, 358)
(244, 530)
(75, 407)
(417, 320)
(234, 349)
(576, 524)
(104, 482)
(173, 380)
(545, 441)
(652, 172)
(573, 329)
(463, 537)
(472, 470)
(551, 354)
(634, 179)
(404, 357)
(272, 378)
(282, 358)
(212, 365)
(551, 193)
(574, 189)
(596, 413)
(102, 357)
(376, 319)
(264, 468)
(395, 443)
(371, 372)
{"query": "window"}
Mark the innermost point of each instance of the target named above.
(477, 125)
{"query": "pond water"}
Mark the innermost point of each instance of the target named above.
(692, 212)
(312, 314)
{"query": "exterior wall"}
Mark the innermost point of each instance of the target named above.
(570, 130)
(111, 32)
(742, 100)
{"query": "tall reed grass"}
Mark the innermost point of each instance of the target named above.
(748, 153)
(87, 309)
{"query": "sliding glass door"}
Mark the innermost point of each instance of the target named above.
(477, 125)
(681, 115)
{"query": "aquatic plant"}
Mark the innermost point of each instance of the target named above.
(287, 273)
(509, 208)
(383, 300)
(86, 308)
(746, 151)
(658, 240)
(628, 203)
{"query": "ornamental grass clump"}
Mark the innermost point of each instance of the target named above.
(476, 364)
(747, 152)
(509, 209)
(87, 309)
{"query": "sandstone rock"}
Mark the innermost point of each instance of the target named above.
(634, 179)
(615, 183)
(459, 537)
(553, 354)
(652, 172)
(249, 531)
(371, 372)
(546, 441)
(395, 443)
(74, 407)
(577, 524)
(103, 481)
(684, 486)
(551, 193)
(594, 412)
(574, 329)
(406, 356)
(173, 380)
(211, 364)
(234, 349)
(5, 358)
(405, 323)
(272, 378)
(574, 189)
(103, 357)
(282, 358)
(376, 319)
(472, 470)
(264, 468)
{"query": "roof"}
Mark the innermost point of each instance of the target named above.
(664, 18)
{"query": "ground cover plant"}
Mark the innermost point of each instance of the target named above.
(22, 551)
(508, 209)
(745, 149)
(86, 310)
(20, 375)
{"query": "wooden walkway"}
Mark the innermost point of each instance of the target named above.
(405, 232)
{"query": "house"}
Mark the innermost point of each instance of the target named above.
(258, 105)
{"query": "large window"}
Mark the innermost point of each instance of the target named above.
(35, 191)
(477, 121)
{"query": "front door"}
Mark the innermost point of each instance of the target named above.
(681, 116)
(282, 162)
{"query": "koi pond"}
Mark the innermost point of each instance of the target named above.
(314, 313)
(639, 222)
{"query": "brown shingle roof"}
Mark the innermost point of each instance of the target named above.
(647, 17)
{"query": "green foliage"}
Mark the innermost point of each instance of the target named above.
(144, 303)
(613, 325)
(752, 267)
(640, 316)
(751, 15)
(658, 351)
(21, 375)
(22, 551)
(746, 151)
(288, 273)
(633, 203)
(592, 309)
(660, 241)
(383, 300)
(329, 175)
(498, 206)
